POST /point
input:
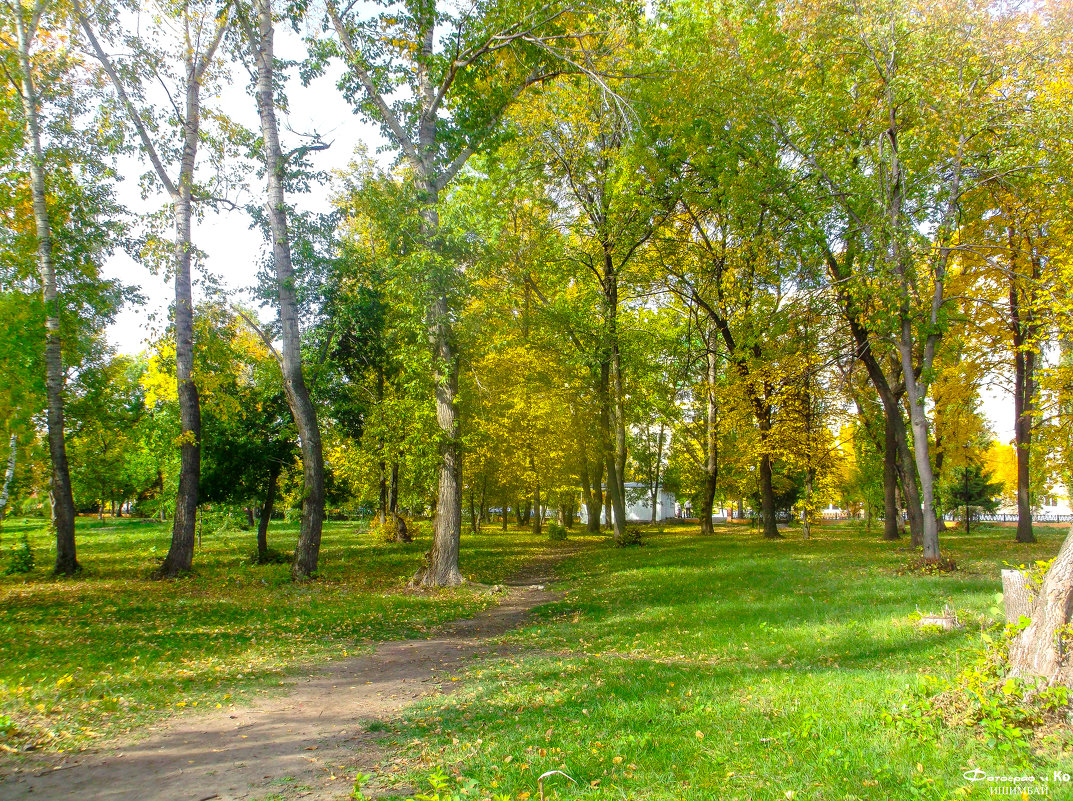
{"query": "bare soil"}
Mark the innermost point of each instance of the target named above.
(308, 742)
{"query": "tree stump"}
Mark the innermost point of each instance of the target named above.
(1015, 595)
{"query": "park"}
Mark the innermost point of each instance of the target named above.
(691, 667)
(532, 399)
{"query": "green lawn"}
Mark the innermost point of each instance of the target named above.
(725, 667)
(110, 649)
(730, 667)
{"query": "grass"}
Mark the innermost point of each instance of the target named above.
(734, 668)
(692, 668)
(109, 650)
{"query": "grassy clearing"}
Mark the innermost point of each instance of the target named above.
(109, 650)
(733, 668)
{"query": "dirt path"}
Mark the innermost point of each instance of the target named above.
(307, 743)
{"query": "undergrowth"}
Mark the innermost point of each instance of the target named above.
(1016, 717)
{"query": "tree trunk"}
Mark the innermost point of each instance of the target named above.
(383, 493)
(63, 512)
(767, 500)
(806, 519)
(1016, 599)
(9, 475)
(904, 464)
(919, 423)
(538, 522)
(594, 503)
(892, 520)
(266, 514)
(1043, 648)
(586, 490)
(393, 494)
(180, 558)
(305, 416)
(1024, 399)
(613, 500)
(711, 464)
(181, 551)
(612, 412)
(657, 473)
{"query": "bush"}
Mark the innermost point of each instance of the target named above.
(22, 558)
(395, 528)
(556, 533)
(631, 538)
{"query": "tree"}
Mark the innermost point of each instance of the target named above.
(190, 36)
(249, 437)
(105, 409)
(975, 490)
(55, 184)
(899, 118)
(259, 32)
(439, 100)
(27, 23)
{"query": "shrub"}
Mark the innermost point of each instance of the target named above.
(22, 558)
(395, 528)
(631, 538)
(556, 533)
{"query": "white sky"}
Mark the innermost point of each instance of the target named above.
(232, 248)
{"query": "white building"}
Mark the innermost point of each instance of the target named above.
(639, 505)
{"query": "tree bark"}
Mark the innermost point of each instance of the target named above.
(1016, 599)
(657, 473)
(305, 416)
(711, 454)
(892, 520)
(1024, 396)
(442, 568)
(1043, 648)
(612, 412)
(266, 514)
(9, 474)
(594, 503)
(919, 423)
(393, 493)
(888, 395)
(180, 558)
(63, 508)
(537, 522)
(767, 500)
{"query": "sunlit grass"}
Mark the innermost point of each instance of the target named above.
(110, 649)
(730, 667)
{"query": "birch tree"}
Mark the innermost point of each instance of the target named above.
(169, 138)
(27, 21)
(258, 29)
